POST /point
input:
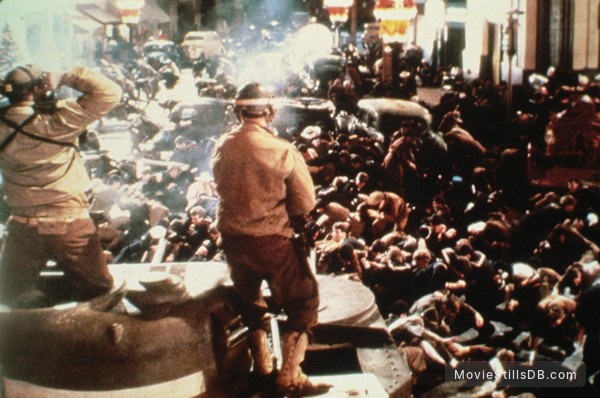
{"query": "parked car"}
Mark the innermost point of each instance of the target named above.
(297, 113)
(196, 43)
(208, 116)
(324, 69)
(161, 48)
(200, 120)
(386, 114)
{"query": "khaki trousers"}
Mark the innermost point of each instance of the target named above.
(272, 258)
(74, 245)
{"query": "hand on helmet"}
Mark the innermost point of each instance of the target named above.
(52, 80)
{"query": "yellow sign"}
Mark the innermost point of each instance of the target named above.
(394, 30)
(394, 22)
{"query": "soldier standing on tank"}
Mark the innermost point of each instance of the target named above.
(45, 182)
(264, 187)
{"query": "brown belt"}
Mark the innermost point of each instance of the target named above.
(35, 221)
(49, 214)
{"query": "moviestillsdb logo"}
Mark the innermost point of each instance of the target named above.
(518, 374)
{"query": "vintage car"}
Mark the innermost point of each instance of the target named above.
(199, 120)
(298, 113)
(386, 114)
(198, 43)
(172, 329)
(156, 49)
(196, 119)
(324, 69)
(207, 112)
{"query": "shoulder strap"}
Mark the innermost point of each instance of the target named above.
(16, 128)
(19, 129)
(8, 139)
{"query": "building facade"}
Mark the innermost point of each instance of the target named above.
(61, 33)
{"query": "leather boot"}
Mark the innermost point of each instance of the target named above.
(291, 381)
(263, 360)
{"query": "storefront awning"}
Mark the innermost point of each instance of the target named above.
(98, 14)
(152, 13)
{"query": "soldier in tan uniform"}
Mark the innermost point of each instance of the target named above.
(45, 182)
(264, 184)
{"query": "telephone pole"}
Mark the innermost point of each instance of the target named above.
(173, 19)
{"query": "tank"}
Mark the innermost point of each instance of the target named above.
(173, 330)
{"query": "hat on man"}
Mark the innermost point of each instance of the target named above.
(311, 132)
(204, 177)
(180, 140)
(24, 76)
(254, 100)
(19, 81)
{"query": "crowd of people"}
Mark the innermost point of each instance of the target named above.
(466, 260)
(450, 246)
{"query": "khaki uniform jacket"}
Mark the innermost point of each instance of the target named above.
(39, 174)
(262, 180)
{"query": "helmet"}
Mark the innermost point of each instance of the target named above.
(19, 81)
(253, 100)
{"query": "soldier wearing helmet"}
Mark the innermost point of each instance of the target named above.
(264, 185)
(254, 101)
(45, 182)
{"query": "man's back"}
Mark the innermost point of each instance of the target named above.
(38, 172)
(261, 181)
(45, 181)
